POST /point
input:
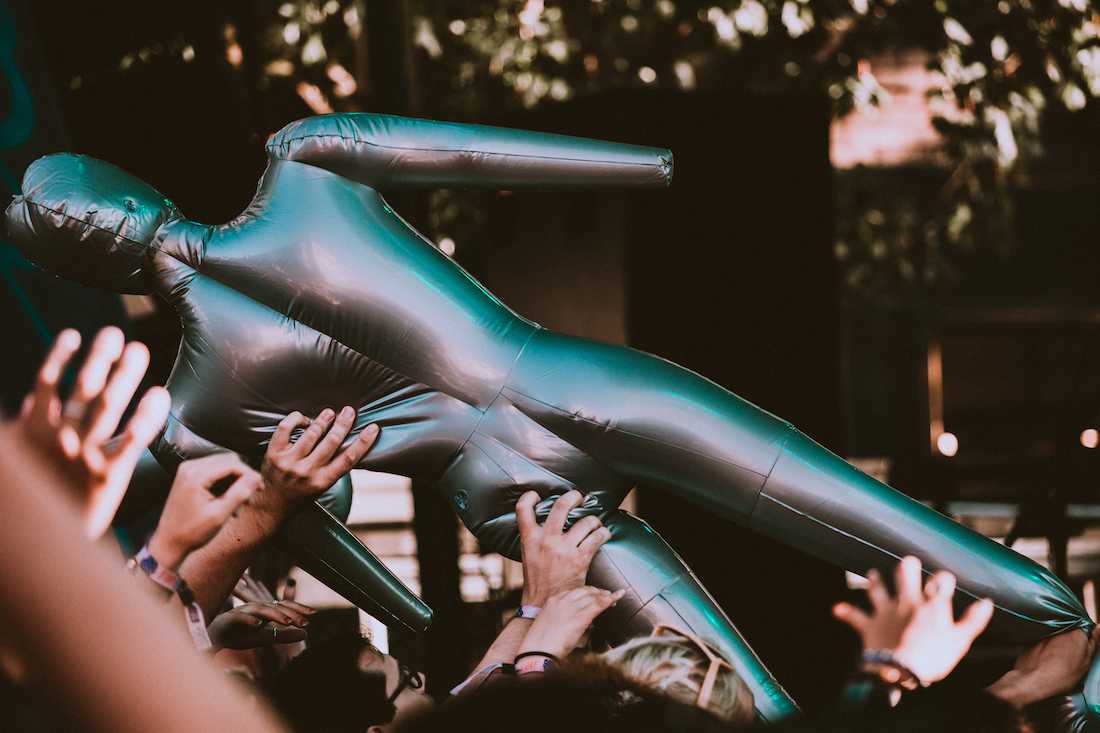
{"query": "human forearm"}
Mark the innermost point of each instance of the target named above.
(155, 679)
(214, 569)
(506, 645)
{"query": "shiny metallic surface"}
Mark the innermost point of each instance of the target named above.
(320, 295)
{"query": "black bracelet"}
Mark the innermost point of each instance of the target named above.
(877, 661)
(548, 655)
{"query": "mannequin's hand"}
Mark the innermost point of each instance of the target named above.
(555, 560)
(1054, 666)
(260, 624)
(309, 466)
(565, 619)
(918, 626)
(192, 515)
(74, 439)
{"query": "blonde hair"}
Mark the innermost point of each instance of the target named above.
(676, 667)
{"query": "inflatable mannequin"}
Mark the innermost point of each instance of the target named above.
(319, 295)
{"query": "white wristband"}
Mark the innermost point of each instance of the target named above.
(529, 612)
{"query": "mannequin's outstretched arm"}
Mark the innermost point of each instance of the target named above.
(384, 151)
(666, 427)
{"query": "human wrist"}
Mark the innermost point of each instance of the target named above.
(535, 661)
(536, 642)
(168, 553)
(267, 510)
(890, 668)
(533, 597)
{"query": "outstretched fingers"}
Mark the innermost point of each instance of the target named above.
(119, 390)
(525, 515)
(349, 458)
(280, 441)
(907, 581)
(583, 527)
(330, 444)
(941, 587)
(975, 618)
(312, 434)
(591, 544)
(147, 421)
(105, 351)
(852, 616)
(876, 590)
(239, 492)
(595, 601)
(112, 464)
(555, 523)
(42, 404)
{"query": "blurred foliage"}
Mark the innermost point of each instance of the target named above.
(309, 48)
(1002, 67)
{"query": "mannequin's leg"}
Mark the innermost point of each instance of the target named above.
(669, 428)
(662, 589)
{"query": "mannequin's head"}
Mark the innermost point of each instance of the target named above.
(87, 221)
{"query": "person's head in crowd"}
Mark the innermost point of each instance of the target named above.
(586, 694)
(684, 667)
(345, 684)
(404, 686)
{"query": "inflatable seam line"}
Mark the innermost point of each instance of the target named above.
(607, 428)
(611, 559)
(663, 165)
(135, 246)
(782, 450)
(924, 571)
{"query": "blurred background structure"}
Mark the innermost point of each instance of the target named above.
(884, 226)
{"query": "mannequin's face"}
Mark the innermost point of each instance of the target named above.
(88, 221)
(410, 700)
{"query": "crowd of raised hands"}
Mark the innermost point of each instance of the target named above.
(79, 455)
(120, 658)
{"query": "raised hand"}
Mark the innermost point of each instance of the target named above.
(565, 619)
(917, 626)
(193, 513)
(74, 437)
(555, 560)
(250, 590)
(310, 465)
(260, 624)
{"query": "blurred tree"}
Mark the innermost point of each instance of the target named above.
(1000, 66)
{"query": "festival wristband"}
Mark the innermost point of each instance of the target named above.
(529, 612)
(484, 674)
(172, 582)
(164, 577)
